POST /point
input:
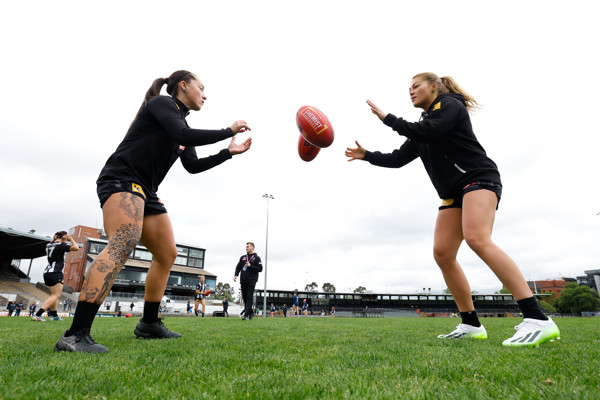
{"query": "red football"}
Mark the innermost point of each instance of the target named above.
(207, 292)
(307, 151)
(314, 126)
(129, 315)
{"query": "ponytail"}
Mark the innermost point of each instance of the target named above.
(447, 84)
(172, 83)
(58, 235)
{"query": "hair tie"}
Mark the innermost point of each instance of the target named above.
(167, 81)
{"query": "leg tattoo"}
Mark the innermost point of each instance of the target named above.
(120, 245)
(131, 209)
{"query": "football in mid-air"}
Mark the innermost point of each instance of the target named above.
(314, 126)
(307, 151)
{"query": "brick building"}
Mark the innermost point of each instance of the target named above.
(551, 286)
(184, 276)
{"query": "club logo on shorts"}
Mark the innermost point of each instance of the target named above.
(135, 188)
(447, 202)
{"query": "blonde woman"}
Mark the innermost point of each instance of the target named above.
(468, 182)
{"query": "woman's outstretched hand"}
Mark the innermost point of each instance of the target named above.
(355, 154)
(235, 148)
(376, 110)
(240, 126)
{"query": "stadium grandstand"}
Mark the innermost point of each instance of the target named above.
(391, 305)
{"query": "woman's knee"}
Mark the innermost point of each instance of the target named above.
(477, 240)
(166, 255)
(443, 256)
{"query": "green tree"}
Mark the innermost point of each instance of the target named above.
(328, 287)
(503, 291)
(224, 290)
(575, 299)
(360, 289)
(311, 287)
(546, 306)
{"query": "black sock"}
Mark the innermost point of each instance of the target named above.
(150, 312)
(531, 309)
(40, 312)
(84, 316)
(52, 313)
(470, 318)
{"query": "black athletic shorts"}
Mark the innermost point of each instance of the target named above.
(53, 278)
(152, 206)
(456, 201)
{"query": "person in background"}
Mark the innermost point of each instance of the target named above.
(56, 252)
(19, 307)
(32, 308)
(249, 267)
(225, 307)
(200, 295)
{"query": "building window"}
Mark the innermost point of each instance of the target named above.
(194, 262)
(182, 251)
(196, 253)
(142, 255)
(181, 260)
(96, 248)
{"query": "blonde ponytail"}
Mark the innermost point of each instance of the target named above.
(447, 84)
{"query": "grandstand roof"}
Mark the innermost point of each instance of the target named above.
(17, 245)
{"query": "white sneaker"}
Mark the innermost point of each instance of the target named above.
(533, 332)
(464, 331)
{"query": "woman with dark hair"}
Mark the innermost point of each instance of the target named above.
(468, 182)
(127, 186)
(56, 251)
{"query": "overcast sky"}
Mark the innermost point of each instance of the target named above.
(74, 74)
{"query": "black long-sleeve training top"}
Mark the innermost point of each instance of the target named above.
(251, 272)
(158, 136)
(445, 142)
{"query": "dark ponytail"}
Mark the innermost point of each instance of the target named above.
(58, 235)
(172, 83)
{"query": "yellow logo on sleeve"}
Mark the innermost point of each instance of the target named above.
(135, 188)
(437, 106)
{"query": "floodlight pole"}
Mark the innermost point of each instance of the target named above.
(268, 197)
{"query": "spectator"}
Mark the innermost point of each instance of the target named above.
(225, 307)
(188, 309)
(65, 303)
(295, 304)
(11, 308)
(32, 308)
(284, 311)
(19, 307)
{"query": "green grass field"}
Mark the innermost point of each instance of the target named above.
(299, 358)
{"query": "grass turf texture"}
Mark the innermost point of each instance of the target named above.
(299, 358)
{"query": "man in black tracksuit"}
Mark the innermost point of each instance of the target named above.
(249, 266)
